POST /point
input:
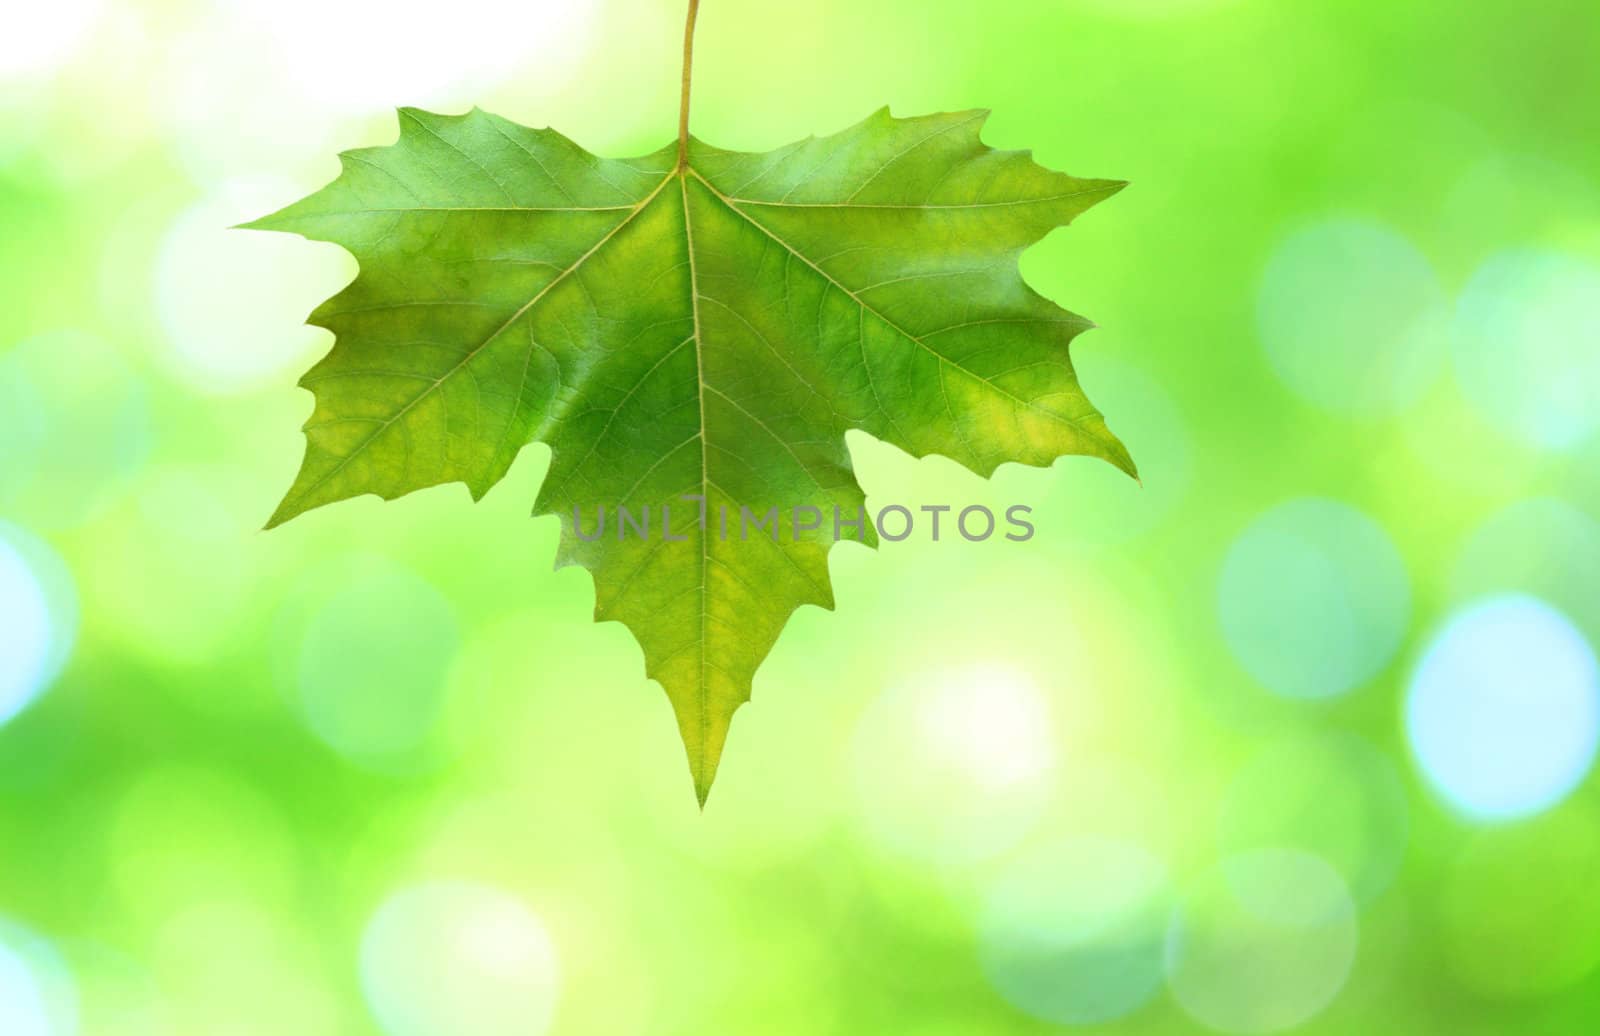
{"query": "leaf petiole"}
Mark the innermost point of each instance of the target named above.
(688, 68)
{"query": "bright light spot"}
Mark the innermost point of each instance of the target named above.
(1504, 710)
(987, 725)
(1527, 346)
(373, 667)
(956, 767)
(1313, 598)
(1331, 794)
(1353, 317)
(454, 959)
(307, 76)
(38, 617)
(37, 995)
(216, 77)
(1073, 933)
(24, 653)
(38, 39)
(1262, 943)
(368, 55)
(233, 302)
(22, 1011)
(74, 423)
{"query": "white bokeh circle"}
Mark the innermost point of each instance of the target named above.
(1503, 711)
(37, 40)
(458, 959)
(233, 303)
(1527, 346)
(956, 765)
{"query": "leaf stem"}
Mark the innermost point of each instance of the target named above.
(688, 68)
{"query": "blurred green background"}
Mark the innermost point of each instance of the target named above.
(1296, 737)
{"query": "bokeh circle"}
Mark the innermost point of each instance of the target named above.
(1503, 711)
(458, 959)
(1073, 932)
(1313, 598)
(1262, 942)
(1526, 329)
(39, 617)
(1353, 317)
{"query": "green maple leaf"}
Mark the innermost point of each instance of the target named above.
(696, 322)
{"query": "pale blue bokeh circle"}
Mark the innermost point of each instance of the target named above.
(37, 993)
(1352, 317)
(1313, 598)
(1503, 711)
(74, 425)
(38, 617)
(22, 1004)
(1074, 932)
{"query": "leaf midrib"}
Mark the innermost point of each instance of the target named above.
(734, 205)
(705, 473)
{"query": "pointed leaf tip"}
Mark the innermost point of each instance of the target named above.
(632, 319)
